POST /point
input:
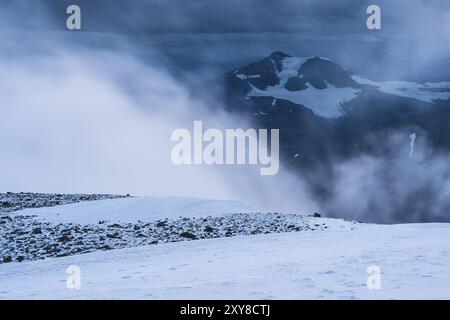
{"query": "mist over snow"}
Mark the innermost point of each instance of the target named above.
(112, 187)
(93, 112)
(389, 187)
(80, 120)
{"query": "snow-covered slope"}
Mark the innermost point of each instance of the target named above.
(427, 92)
(137, 208)
(332, 264)
(89, 226)
(59, 231)
(234, 256)
(27, 238)
(323, 102)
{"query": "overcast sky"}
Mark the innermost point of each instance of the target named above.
(227, 33)
(238, 16)
(73, 114)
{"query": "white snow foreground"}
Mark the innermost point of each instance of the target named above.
(330, 264)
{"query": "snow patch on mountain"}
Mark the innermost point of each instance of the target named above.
(323, 102)
(290, 68)
(428, 92)
(245, 77)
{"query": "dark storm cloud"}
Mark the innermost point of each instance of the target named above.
(317, 17)
(200, 16)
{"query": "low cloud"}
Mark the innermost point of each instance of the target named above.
(79, 120)
(390, 187)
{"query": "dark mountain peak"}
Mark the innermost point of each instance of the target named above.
(278, 56)
(320, 71)
(319, 59)
(262, 73)
(317, 71)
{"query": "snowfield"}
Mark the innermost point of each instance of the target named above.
(330, 264)
(428, 92)
(182, 248)
(25, 238)
(137, 208)
(117, 223)
(323, 102)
